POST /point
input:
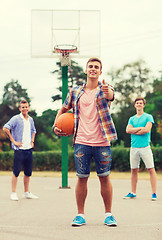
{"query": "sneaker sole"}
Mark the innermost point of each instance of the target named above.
(154, 199)
(29, 197)
(77, 224)
(26, 197)
(111, 224)
(129, 197)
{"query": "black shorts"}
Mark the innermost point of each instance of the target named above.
(23, 158)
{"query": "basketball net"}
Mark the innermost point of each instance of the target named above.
(65, 59)
(64, 51)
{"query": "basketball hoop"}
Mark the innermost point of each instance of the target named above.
(65, 51)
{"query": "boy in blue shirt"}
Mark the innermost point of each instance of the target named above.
(139, 126)
(21, 131)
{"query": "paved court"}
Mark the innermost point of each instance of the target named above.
(50, 216)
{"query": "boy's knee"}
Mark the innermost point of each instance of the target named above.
(16, 173)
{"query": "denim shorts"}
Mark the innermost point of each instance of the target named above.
(23, 158)
(84, 154)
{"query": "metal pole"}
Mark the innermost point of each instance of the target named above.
(64, 140)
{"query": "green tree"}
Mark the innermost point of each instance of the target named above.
(76, 76)
(13, 94)
(45, 122)
(121, 120)
(44, 129)
(5, 113)
(154, 99)
(131, 80)
(47, 144)
(154, 107)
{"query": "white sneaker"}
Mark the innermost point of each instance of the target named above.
(14, 196)
(29, 195)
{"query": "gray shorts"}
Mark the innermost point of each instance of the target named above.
(141, 153)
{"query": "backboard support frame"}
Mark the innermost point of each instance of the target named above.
(78, 31)
(85, 37)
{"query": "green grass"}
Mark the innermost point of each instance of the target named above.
(114, 175)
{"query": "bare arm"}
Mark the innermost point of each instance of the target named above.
(32, 141)
(145, 129)
(8, 134)
(56, 130)
(139, 130)
(131, 130)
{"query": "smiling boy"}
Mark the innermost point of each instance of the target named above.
(93, 131)
(21, 131)
(139, 126)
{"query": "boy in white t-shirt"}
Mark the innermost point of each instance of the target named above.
(93, 131)
(21, 131)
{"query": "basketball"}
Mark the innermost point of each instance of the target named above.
(65, 122)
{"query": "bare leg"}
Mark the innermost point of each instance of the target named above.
(26, 183)
(134, 179)
(14, 182)
(106, 192)
(81, 194)
(153, 179)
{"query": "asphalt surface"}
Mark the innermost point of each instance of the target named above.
(50, 216)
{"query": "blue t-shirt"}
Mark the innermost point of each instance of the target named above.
(138, 141)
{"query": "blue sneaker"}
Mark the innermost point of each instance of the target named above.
(78, 221)
(154, 197)
(130, 195)
(110, 221)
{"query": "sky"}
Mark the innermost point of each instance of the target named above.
(130, 30)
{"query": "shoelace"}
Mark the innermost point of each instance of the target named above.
(111, 218)
(77, 218)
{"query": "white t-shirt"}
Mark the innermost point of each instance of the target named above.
(26, 139)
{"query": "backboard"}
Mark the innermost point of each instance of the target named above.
(80, 28)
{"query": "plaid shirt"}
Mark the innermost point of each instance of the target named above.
(103, 106)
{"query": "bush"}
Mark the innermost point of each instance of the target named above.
(47, 144)
(120, 159)
(6, 161)
(6, 147)
(157, 153)
(48, 160)
(51, 160)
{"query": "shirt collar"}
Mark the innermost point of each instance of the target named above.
(99, 85)
(23, 117)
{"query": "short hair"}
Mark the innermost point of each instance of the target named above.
(23, 102)
(94, 59)
(140, 98)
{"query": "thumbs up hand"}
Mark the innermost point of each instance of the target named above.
(108, 92)
(103, 82)
(105, 88)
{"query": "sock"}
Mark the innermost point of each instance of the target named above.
(107, 214)
(81, 215)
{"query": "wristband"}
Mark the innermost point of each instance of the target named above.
(53, 128)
